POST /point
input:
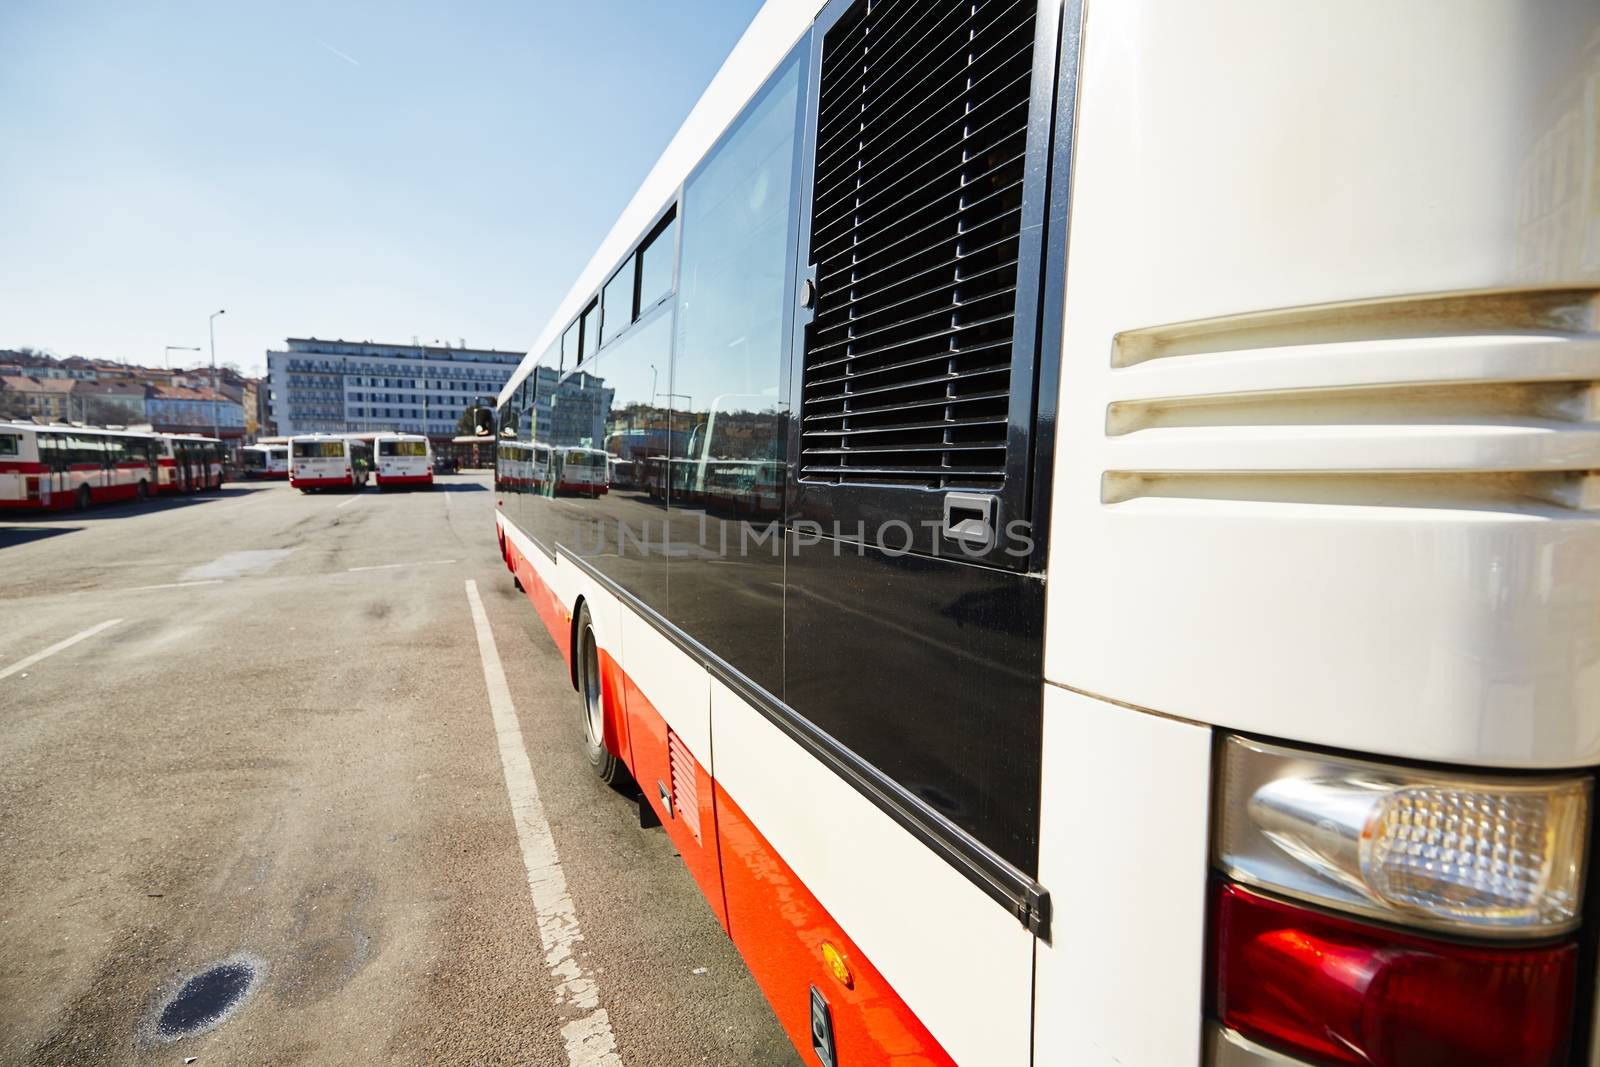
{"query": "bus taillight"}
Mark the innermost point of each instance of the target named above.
(1384, 915)
(1347, 992)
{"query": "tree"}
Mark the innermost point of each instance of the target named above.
(13, 405)
(97, 411)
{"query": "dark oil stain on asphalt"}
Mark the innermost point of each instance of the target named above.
(205, 1000)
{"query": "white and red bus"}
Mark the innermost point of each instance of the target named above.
(514, 466)
(403, 459)
(67, 466)
(1176, 639)
(578, 470)
(328, 461)
(264, 461)
(189, 463)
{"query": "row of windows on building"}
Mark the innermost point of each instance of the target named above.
(476, 382)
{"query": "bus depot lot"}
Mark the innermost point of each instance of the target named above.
(272, 740)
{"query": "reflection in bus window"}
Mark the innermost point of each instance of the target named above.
(726, 468)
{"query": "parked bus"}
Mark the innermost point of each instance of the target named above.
(577, 470)
(328, 461)
(264, 461)
(1179, 638)
(53, 467)
(403, 460)
(189, 463)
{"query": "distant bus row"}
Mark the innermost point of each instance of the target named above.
(60, 467)
(52, 467)
(528, 466)
(742, 486)
(341, 461)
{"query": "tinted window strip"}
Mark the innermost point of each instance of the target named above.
(1025, 898)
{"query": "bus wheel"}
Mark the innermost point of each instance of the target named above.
(83, 498)
(142, 491)
(607, 767)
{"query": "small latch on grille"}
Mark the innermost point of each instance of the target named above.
(969, 518)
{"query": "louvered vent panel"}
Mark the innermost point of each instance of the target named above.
(685, 791)
(916, 210)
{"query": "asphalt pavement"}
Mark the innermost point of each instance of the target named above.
(249, 755)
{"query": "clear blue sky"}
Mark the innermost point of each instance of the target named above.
(381, 170)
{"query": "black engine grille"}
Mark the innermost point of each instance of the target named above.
(916, 209)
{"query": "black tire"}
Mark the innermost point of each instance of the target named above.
(83, 498)
(607, 767)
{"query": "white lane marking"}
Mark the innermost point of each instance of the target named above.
(347, 503)
(589, 1040)
(25, 663)
(173, 585)
(392, 566)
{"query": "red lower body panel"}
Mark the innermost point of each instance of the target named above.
(694, 833)
(779, 928)
(405, 479)
(777, 924)
(551, 611)
(322, 483)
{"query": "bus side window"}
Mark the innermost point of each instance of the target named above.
(727, 428)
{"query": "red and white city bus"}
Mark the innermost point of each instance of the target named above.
(328, 461)
(514, 466)
(1176, 637)
(189, 463)
(403, 459)
(580, 470)
(67, 466)
(264, 461)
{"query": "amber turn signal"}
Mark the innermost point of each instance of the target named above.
(837, 965)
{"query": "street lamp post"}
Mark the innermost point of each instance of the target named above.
(211, 328)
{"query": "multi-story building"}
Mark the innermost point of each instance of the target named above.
(180, 409)
(354, 386)
(570, 412)
(41, 398)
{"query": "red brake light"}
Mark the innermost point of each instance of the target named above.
(1349, 992)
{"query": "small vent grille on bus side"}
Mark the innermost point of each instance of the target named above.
(685, 791)
(916, 210)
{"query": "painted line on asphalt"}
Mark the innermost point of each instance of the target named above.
(24, 664)
(173, 585)
(589, 1040)
(392, 566)
(347, 503)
